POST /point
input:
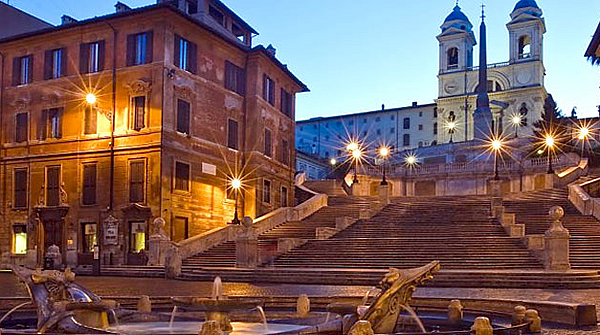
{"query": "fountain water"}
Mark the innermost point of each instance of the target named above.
(172, 316)
(217, 289)
(414, 315)
(261, 311)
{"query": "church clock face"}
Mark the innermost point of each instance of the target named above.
(451, 87)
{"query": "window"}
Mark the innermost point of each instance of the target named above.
(136, 181)
(137, 236)
(185, 55)
(20, 188)
(139, 111)
(524, 47)
(21, 127)
(406, 123)
(327, 125)
(89, 231)
(420, 127)
(180, 228)
(183, 117)
(268, 144)
(286, 102)
(182, 177)
(285, 152)
(266, 191)
(50, 124)
(235, 78)
(22, 70)
(20, 239)
(139, 48)
(420, 114)
(392, 117)
(452, 58)
(351, 123)
(191, 7)
(420, 144)
(89, 184)
(406, 140)
(269, 89)
(217, 15)
(378, 131)
(90, 120)
(53, 186)
(55, 63)
(284, 196)
(232, 134)
(378, 119)
(435, 128)
(392, 130)
(435, 112)
(91, 57)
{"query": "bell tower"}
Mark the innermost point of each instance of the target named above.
(456, 42)
(526, 30)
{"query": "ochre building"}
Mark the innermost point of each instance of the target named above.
(112, 122)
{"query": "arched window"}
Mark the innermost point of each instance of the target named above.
(524, 47)
(452, 58)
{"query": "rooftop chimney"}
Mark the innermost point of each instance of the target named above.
(121, 7)
(66, 19)
(271, 50)
(415, 104)
(382, 106)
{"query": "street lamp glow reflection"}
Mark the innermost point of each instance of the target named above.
(90, 98)
(236, 183)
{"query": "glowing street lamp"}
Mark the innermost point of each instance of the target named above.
(356, 155)
(516, 121)
(496, 147)
(549, 142)
(90, 98)
(410, 160)
(236, 184)
(352, 146)
(451, 127)
(384, 152)
(584, 133)
(333, 162)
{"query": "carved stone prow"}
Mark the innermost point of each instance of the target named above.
(397, 288)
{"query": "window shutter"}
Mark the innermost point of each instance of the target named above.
(232, 140)
(192, 57)
(131, 49)
(16, 80)
(63, 62)
(60, 119)
(183, 117)
(272, 92)
(101, 55)
(20, 188)
(241, 81)
(149, 46)
(176, 51)
(21, 127)
(265, 87)
(48, 64)
(30, 72)
(42, 125)
(83, 57)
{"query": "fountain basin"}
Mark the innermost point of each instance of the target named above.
(212, 305)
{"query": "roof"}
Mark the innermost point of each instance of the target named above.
(526, 4)
(457, 14)
(16, 21)
(397, 109)
(240, 20)
(590, 53)
(150, 8)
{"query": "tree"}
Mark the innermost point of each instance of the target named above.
(550, 121)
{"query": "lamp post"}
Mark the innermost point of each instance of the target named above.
(496, 147)
(516, 121)
(384, 152)
(356, 155)
(236, 184)
(409, 162)
(549, 142)
(451, 128)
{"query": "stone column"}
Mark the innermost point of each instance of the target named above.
(556, 245)
(384, 194)
(246, 246)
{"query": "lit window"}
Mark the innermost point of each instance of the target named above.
(19, 239)
(139, 107)
(90, 236)
(138, 237)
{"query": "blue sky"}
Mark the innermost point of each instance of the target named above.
(356, 55)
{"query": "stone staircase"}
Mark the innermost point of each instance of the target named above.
(330, 187)
(411, 232)
(532, 208)
(223, 255)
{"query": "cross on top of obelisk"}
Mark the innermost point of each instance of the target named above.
(482, 12)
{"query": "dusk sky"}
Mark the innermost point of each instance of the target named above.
(356, 55)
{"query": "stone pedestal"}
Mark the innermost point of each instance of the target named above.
(246, 253)
(556, 243)
(496, 188)
(71, 259)
(384, 194)
(173, 263)
(157, 249)
(482, 326)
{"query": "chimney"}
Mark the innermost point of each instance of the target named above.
(271, 50)
(66, 19)
(382, 106)
(121, 7)
(415, 104)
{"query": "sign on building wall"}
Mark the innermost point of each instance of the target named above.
(209, 169)
(111, 231)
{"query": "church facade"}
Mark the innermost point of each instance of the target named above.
(516, 87)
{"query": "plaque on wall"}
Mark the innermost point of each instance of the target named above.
(209, 169)
(111, 231)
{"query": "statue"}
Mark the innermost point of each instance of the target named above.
(63, 195)
(158, 228)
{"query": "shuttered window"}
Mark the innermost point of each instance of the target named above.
(55, 122)
(55, 63)
(20, 200)
(89, 184)
(139, 112)
(90, 120)
(268, 144)
(91, 57)
(266, 191)
(285, 152)
(269, 89)
(182, 177)
(232, 134)
(286, 102)
(185, 54)
(136, 181)
(21, 127)
(22, 70)
(235, 78)
(139, 48)
(53, 186)
(183, 116)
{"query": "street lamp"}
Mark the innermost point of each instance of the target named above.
(90, 98)
(384, 152)
(236, 184)
(549, 142)
(516, 121)
(451, 128)
(333, 162)
(410, 160)
(352, 146)
(356, 155)
(496, 147)
(584, 133)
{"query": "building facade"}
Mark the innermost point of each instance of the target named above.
(516, 87)
(112, 122)
(398, 128)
